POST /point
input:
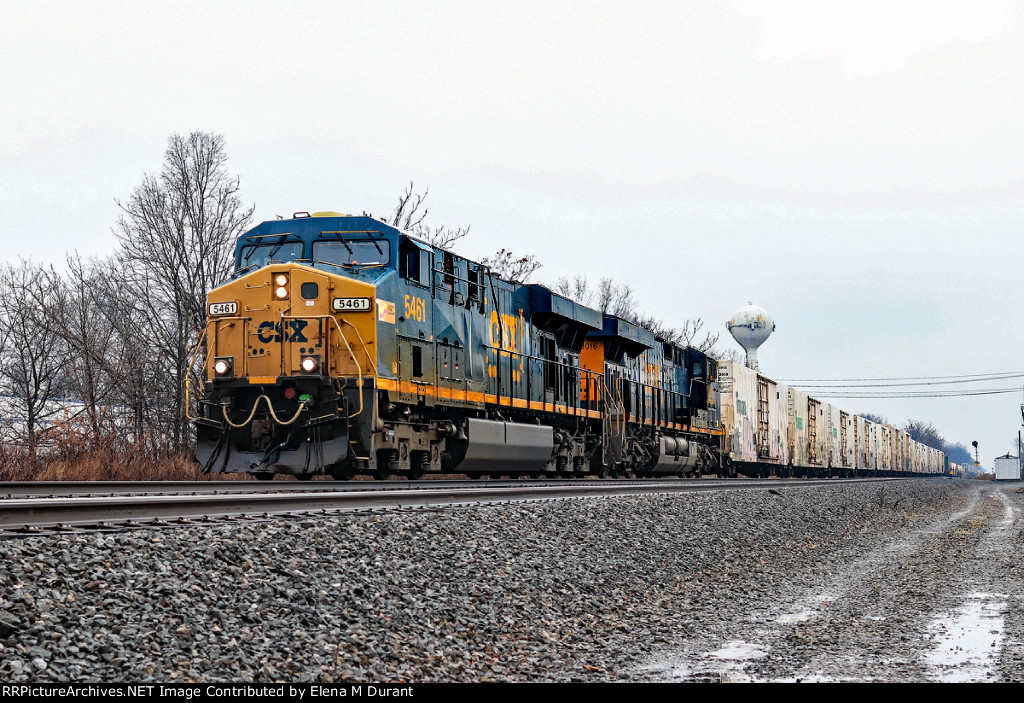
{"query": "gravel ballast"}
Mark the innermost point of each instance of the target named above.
(833, 583)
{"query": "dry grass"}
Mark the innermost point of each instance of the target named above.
(71, 454)
(105, 465)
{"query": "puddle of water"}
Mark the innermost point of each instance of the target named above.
(739, 651)
(969, 641)
(802, 616)
(727, 666)
(817, 599)
(812, 678)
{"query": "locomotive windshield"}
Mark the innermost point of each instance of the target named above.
(350, 252)
(258, 255)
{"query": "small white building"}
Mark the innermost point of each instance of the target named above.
(1007, 468)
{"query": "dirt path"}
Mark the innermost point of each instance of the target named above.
(938, 602)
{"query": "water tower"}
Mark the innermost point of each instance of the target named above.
(750, 326)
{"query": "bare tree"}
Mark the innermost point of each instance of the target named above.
(691, 329)
(620, 300)
(577, 289)
(71, 313)
(144, 366)
(176, 235)
(925, 433)
(875, 418)
(607, 297)
(509, 267)
(729, 354)
(410, 213)
(35, 358)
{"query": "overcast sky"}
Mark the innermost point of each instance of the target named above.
(855, 168)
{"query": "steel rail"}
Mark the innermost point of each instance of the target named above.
(43, 489)
(109, 488)
(34, 513)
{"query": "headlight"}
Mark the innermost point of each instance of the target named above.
(281, 286)
(310, 365)
(224, 366)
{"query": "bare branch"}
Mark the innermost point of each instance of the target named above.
(621, 301)
(176, 234)
(407, 213)
(512, 268)
(410, 214)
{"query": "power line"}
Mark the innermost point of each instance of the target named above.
(994, 374)
(914, 394)
(1002, 377)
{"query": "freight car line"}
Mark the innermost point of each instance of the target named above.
(344, 346)
(21, 514)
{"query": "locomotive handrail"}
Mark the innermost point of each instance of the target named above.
(188, 375)
(617, 403)
(582, 384)
(189, 390)
(270, 406)
(359, 368)
(369, 357)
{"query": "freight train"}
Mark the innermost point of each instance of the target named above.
(345, 346)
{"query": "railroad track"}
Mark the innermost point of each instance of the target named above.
(42, 489)
(117, 505)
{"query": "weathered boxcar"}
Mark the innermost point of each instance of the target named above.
(755, 414)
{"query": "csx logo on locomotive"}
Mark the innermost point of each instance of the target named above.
(273, 332)
(505, 331)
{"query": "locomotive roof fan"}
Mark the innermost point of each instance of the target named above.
(750, 327)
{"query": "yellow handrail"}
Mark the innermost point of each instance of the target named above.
(369, 357)
(246, 421)
(355, 360)
(188, 374)
(617, 404)
(190, 391)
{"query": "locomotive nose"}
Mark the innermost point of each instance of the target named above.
(291, 371)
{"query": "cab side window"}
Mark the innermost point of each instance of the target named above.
(415, 263)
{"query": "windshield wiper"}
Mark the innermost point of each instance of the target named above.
(277, 248)
(350, 252)
(377, 247)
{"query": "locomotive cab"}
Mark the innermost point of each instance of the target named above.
(290, 376)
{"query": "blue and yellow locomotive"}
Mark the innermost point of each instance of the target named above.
(345, 346)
